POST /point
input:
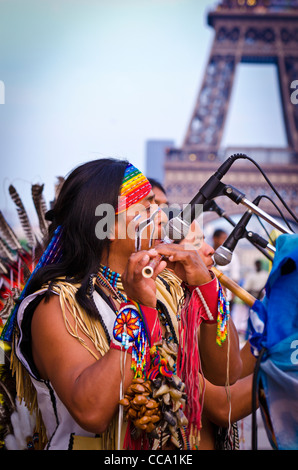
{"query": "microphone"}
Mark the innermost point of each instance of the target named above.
(223, 254)
(178, 227)
(256, 240)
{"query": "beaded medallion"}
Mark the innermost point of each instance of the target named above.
(127, 326)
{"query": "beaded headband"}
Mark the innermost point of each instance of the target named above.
(134, 188)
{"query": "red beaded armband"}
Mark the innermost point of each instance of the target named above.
(207, 297)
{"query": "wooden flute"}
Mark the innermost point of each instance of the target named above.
(237, 290)
(241, 293)
(148, 270)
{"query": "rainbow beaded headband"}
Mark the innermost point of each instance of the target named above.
(135, 186)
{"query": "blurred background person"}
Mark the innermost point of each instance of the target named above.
(256, 280)
(159, 192)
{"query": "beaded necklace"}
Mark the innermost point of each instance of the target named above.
(162, 362)
(112, 281)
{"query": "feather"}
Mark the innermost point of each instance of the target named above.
(3, 269)
(23, 428)
(7, 394)
(8, 234)
(40, 206)
(11, 442)
(5, 252)
(23, 216)
(58, 186)
(9, 304)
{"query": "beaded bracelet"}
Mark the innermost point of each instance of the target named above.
(223, 314)
(222, 311)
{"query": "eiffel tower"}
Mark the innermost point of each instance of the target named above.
(249, 31)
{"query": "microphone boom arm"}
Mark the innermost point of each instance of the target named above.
(266, 216)
(239, 197)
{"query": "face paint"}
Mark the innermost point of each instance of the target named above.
(143, 226)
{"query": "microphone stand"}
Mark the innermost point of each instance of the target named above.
(239, 197)
(266, 216)
(213, 188)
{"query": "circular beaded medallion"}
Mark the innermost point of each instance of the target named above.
(127, 324)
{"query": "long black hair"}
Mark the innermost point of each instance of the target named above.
(87, 186)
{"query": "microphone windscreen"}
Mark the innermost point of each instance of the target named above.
(222, 256)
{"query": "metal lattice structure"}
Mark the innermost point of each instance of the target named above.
(251, 31)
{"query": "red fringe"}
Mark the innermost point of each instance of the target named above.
(141, 443)
(189, 364)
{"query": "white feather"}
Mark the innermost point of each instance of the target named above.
(23, 427)
(11, 442)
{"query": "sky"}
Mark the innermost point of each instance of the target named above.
(86, 79)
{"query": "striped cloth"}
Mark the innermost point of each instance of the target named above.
(134, 188)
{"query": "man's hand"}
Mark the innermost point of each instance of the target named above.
(137, 287)
(187, 264)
